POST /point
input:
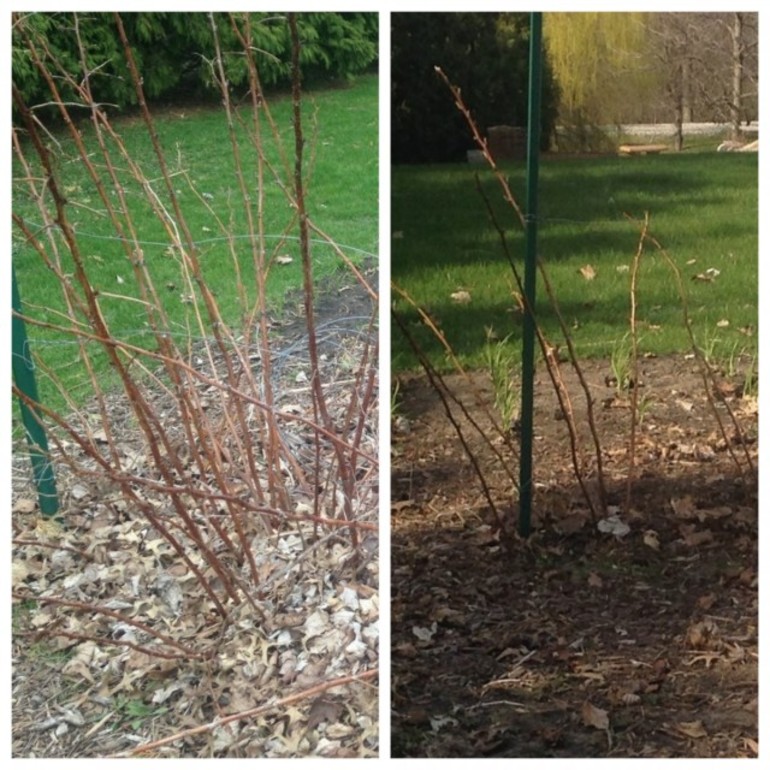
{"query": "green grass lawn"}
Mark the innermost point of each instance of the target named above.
(703, 209)
(341, 162)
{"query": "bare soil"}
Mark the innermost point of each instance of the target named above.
(578, 642)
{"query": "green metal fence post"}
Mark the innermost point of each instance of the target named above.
(530, 273)
(24, 376)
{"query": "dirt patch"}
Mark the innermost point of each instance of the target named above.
(86, 684)
(576, 642)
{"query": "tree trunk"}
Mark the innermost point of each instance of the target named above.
(737, 96)
(678, 133)
(686, 91)
(678, 108)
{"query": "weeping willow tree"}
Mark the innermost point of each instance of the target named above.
(600, 64)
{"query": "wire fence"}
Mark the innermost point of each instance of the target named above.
(289, 357)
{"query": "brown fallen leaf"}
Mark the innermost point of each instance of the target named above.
(595, 580)
(707, 601)
(406, 650)
(683, 507)
(24, 505)
(701, 634)
(726, 389)
(552, 736)
(626, 693)
(593, 716)
(723, 511)
(692, 729)
(442, 614)
(417, 715)
(570, 524)
(752, 745)
(588, 272)
(630, 699)
(656, 676)
(48, 528)
(694, 538)
(651, 539)
(323, 710)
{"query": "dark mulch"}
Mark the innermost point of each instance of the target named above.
(577, 643)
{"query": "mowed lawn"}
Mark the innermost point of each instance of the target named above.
(341, 163)
(703, 209)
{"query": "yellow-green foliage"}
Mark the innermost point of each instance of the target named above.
(599, 61)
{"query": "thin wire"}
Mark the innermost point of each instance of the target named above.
(216, 239)
(280, 357)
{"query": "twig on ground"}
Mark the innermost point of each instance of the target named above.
(249, 713)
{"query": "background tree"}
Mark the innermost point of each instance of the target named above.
(654, 67)
(168, 47)
(708, 65)
(485, 54)
(598, 61)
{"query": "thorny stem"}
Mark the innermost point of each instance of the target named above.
(364, 676)
(143, 411)
(198, 475)
(275, 484)
(189, 250)
(441, 337)
(551, 360)
(445, 393)
(146, 416)
(706, 374)
(224, 386)
(319, 400)
(70, 299)
(555, 370)
(635, 362)
(116, 616)
(552, 363)
(428, 321)
(481, 142)
(345, 259)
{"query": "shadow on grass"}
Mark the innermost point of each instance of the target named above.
(703, 210)
(440, 214)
